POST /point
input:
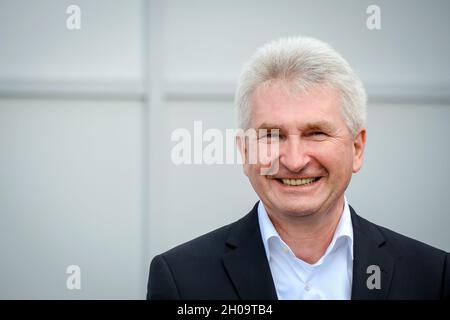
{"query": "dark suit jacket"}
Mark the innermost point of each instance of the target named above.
(230, 263)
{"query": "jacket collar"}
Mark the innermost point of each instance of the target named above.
(369, 250)
(247, 266)
(246, 262)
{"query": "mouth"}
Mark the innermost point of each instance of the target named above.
(299, 182)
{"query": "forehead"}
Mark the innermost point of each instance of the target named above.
(282, 104)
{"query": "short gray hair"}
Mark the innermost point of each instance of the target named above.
(304, 62)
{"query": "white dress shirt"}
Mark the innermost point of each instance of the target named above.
(295, 279)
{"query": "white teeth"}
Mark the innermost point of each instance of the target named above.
(298, 182)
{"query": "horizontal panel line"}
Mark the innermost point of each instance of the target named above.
(72, 90)
(199, 91)
(392, 93)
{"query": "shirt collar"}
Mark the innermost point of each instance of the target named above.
(344, 229)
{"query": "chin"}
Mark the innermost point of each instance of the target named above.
(297, 210)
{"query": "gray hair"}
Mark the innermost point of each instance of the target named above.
(305, 63)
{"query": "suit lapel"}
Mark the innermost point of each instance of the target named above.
(247, 266)
(246, 263)
(369, 250)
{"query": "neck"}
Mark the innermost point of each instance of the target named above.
(308, 236)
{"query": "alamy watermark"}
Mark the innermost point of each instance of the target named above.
(73, 21)
(212, 146)
(373, 21)
(374, 280)
(73, 281)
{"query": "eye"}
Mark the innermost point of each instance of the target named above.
(270, 137)
(317, 134)
(269, 134)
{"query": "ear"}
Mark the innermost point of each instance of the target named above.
(241, 146)
(359, 144)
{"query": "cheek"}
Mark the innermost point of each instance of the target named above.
(257, 180)
(252, 172)
(335, 159)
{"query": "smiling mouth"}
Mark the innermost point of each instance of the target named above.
(299, 182)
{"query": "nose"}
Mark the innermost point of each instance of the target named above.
(293, 154)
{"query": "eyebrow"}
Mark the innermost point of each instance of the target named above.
(269, 126)
(317, 125)
(320, 125)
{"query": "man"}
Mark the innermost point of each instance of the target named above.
(302, 240)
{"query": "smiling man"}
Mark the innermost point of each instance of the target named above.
(302, 240)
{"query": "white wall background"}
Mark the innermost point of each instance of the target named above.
(86, 118)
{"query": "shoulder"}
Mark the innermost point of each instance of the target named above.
(419, 270)
(213, 242)
(195, 268)
(402, 246)
(172, 272)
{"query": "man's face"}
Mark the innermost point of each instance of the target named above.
(314, 143)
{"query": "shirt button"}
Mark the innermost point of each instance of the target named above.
(308, 286)
(285, 250)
